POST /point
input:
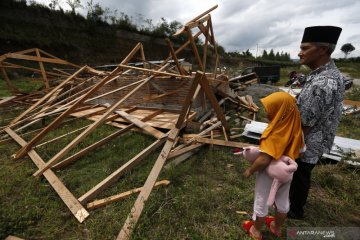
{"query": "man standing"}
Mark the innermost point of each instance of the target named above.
(320, 103)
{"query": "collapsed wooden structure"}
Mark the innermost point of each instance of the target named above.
(43, 66)
(121, 98)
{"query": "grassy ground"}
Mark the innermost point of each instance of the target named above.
(25, 85)
(200, 203)
(352, 69)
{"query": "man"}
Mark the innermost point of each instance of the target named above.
(320, 103)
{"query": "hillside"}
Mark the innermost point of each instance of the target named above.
(70, 36)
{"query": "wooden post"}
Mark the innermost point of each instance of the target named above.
(180, 69)
(43, 72)
(209, 93)
(9, 84)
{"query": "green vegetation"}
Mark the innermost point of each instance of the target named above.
(24, 85)
(200, 203)
(350, 68)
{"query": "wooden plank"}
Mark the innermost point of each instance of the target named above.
(93, 146)
(80, 137)
(188, 100)
(70, 201)
(120, 171)
(147, 128)
(10, 237)
(59, 137)
(35, 58)
(155, 71)
(172, 52)
(194, 48)
(179, 159)
(71, 145)
(222, 142)
(7, 99)
(42, 68)
(195, 18)
(214, 103)
(351, 102)
(179, 152)
(136, 210)
(105, 201)
(9, 84)
(47, 96)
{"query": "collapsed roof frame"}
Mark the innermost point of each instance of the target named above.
(36, 55)
(47, 106)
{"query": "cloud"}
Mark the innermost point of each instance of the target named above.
(251, 24)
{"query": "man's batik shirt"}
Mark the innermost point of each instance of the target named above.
(320, 105)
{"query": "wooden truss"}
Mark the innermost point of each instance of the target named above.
(35, 55)
(74, 97)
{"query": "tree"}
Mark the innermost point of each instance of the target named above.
(347, 48)
(53, 4)
(271, 55)
(73, 4)
(264, 55)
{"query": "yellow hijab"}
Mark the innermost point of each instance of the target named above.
(283, 136)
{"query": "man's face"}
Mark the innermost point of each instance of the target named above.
(309, 54)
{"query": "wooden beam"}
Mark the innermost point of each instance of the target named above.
(120, 171)
(47, 96)
(42, 68)
(214, 103)
(223, 142)
(52, 125)
(105, 201)
(9, 84)
(194, 48)
(188, 100)
(179, 152)
(173, 54)
(35, 58)
(93, 146)
(70, 201)
(194, 19)
(80, 137)
(152, 131)
(136, 210)
(103, 141)
(154, 71)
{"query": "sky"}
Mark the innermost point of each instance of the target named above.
(256, 25)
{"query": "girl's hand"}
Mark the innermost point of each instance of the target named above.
(247, 173)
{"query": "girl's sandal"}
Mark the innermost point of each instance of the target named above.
(247, 225)
(268, 221)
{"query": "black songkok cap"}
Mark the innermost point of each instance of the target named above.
(326, 34)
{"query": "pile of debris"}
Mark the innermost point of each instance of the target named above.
(159, 101)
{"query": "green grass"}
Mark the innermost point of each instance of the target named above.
(352, 69)
(24, 85)
(200, 203)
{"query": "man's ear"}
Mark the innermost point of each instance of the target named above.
(324, 50)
